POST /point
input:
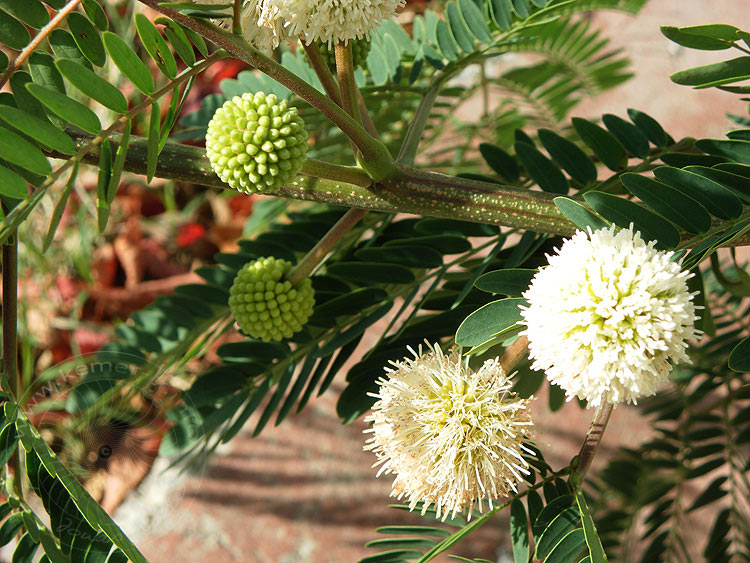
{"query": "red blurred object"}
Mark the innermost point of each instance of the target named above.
(67, 288)
(241, 204)
(139, 201)
(227, 68)
(190, 233)
(89, 340)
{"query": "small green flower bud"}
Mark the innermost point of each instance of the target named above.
(249, 131)
(264, 305)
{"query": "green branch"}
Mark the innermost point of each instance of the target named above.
(408, 151)
(409, 191)
(321, 69)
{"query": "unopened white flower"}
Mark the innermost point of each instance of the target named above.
(453, 436)
(331, 21)
(608, 315)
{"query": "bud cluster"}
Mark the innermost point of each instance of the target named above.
(266, 306)
(256, 143)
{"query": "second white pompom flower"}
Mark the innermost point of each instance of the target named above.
(453, 436)
(608, 315)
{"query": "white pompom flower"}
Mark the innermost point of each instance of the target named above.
(609, 316)
(452, 436)
(331, 21)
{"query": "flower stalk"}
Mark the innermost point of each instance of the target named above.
(514, 353)
(316, 255)
(345, 75)
(582, 462)
(336, 172)
(322, 71)
(237, 17)
(580, 466)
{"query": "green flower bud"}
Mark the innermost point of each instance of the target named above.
(360, 50)
(250, 132)
(264, 305)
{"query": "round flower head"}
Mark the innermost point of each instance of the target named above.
(267, 307)
(256, 143)
(453, 436)
(331, 21)
(607, 315)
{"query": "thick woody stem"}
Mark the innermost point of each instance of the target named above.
(411, 191)
(514, 353)
(10, 315)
